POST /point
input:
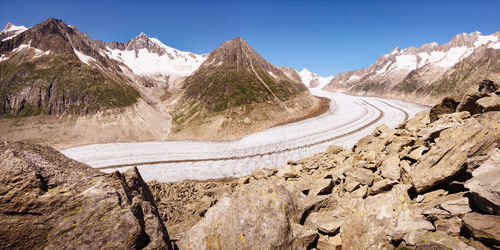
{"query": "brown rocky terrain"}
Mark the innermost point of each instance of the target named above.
(431, 183)
(48, 201)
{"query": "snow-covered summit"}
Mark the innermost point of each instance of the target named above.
(312, 80)
(147, 56)
(11, 31)
(426, 63)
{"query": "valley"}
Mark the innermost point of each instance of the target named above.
(349, 119)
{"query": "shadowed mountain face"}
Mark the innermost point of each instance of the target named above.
(235, 74)
(52, 68)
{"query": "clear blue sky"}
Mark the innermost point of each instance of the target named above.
(326, 37)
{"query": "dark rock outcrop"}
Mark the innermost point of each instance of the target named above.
(50, 201)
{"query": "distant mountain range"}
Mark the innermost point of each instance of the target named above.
(430, 71)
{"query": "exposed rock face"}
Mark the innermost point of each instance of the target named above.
(50, 201)
(397, 188)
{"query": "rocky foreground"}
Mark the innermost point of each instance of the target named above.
(50, 201)
(430, 183)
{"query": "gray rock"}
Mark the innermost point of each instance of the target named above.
(382, 185)
(256, 215)
(485, 187)
(447, 157)
(457, 206)
(324, 222)
(364, 176)
(485, 228)
(489, 103)
(390, 168)
(449, 226)
(305, 236)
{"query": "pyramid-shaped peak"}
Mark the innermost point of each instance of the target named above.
(8, 26)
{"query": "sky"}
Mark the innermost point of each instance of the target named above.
(326, 37)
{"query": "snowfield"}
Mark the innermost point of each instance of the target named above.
(349, 119)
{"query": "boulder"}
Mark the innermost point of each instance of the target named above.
(334, 149)
(367, 226)
(440, 240)
(489, 103)
(382, 185)
(332, 243)
(326, 223)
(305, 236)
(50, 201)
(256, 215)
(485, 187)
(417, 153)
(390, 168)
(468, 103)
(449, 226)
(485, 228)
(487, 87)
(321, 187)
(447, 106)
(456, 206)
(447, 157)
(362, 175)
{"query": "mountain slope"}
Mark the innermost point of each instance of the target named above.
(51, 69)
(243, 90)
(424, 72)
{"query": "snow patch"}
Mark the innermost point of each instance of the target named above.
(406, 62)
(354, 78)
(3, 57)
(494, 45)
(453, 56)
(383, 69)
(84, 58)
(481, 40)
(271, 73)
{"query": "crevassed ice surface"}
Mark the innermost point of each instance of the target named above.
(349, 119)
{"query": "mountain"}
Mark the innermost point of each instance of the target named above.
(313, 80)
(235, 92)
(52, 69)
(152, 60)
(11, 31)
(429, 71)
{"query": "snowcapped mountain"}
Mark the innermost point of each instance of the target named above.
(148, 57)
(312, 80)
(415, 69)
(11, 31)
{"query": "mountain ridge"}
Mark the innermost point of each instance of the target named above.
(411, 72)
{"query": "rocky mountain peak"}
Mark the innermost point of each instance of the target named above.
(7, 27)
(236, 51)
(465, 39)
(142, 41)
